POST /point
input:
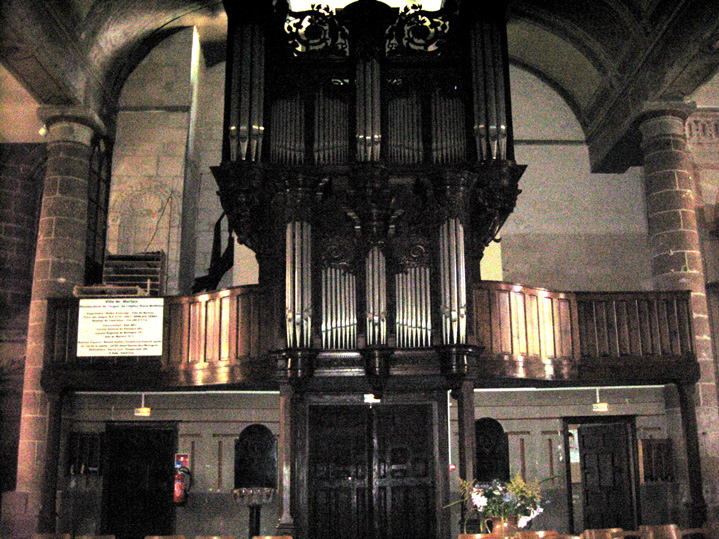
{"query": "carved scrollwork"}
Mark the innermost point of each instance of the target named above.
(239, 195)
(410, 251)
(338, 252)
(417, 31)
(316, 31)
(492, 200)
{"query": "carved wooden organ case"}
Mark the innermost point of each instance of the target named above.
(368, 160)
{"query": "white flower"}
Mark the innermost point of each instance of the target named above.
(478, 499)
(524, 520)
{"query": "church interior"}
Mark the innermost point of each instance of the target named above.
(290, 269)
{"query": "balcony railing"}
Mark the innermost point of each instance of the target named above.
(523, 332)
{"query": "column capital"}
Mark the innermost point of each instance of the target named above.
(56, 114)
(662, 118)
(680, 109)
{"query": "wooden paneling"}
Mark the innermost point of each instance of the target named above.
(204, 331)
(219, 327)
(530, 332)
(524, 332)
(528, 329)
(634, 324)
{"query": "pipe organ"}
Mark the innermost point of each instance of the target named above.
(368, 154)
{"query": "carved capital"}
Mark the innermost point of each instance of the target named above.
(300, 192)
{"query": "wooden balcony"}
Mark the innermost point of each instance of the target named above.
(525, 335)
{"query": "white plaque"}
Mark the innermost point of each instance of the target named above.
(120, 327)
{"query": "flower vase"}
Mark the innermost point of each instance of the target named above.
(504, 527)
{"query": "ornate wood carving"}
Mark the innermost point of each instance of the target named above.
(316, 31)
(417, 31)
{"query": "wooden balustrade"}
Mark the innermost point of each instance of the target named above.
(537, 333)
(226, 326)
(524, 332)
(634, 324)
(532, 332)
(212, 338)
(636, 335)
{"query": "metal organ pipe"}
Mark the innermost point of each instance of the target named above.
(368, 110)
(490, 72)
(376, 297)
(414, 326)
(298, 284)
(339, 318)
(453, 282)
(246, 127)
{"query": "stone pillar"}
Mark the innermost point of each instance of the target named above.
(59, 266)
(677, 264)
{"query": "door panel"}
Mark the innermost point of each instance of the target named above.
(606, 476)
(338, 472)
(371, 472)
(138, 484)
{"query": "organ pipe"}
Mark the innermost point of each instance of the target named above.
(339, 309)
(244, 121)
(376, 297)
(368, 110)
(490, 84)
(453, 282)
(413, 316)
(298, 284)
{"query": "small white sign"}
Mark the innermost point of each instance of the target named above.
(600, 407)
(120, 327)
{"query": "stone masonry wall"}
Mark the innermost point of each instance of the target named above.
(22, 168)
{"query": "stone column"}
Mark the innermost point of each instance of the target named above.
(59, 266)
(677, 264)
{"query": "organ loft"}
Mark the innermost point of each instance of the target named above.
(368, 160)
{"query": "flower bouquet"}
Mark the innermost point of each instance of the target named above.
(501, 501)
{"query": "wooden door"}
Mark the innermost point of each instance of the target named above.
(371, 472)
(605, 457)
(138, 484)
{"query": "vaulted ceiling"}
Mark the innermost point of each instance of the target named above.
(607, 58)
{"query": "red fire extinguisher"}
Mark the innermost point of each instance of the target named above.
(183, 482)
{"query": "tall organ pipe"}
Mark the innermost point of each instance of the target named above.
(368, 110)
(489, 65)
(453, 282)
(244, 101)
(298, 284)
(376, 297)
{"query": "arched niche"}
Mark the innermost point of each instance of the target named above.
(492, 451)
(256, 458)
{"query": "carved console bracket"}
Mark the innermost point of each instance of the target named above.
(456, 361)
(493, 197)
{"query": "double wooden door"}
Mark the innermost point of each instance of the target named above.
(371, 472)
